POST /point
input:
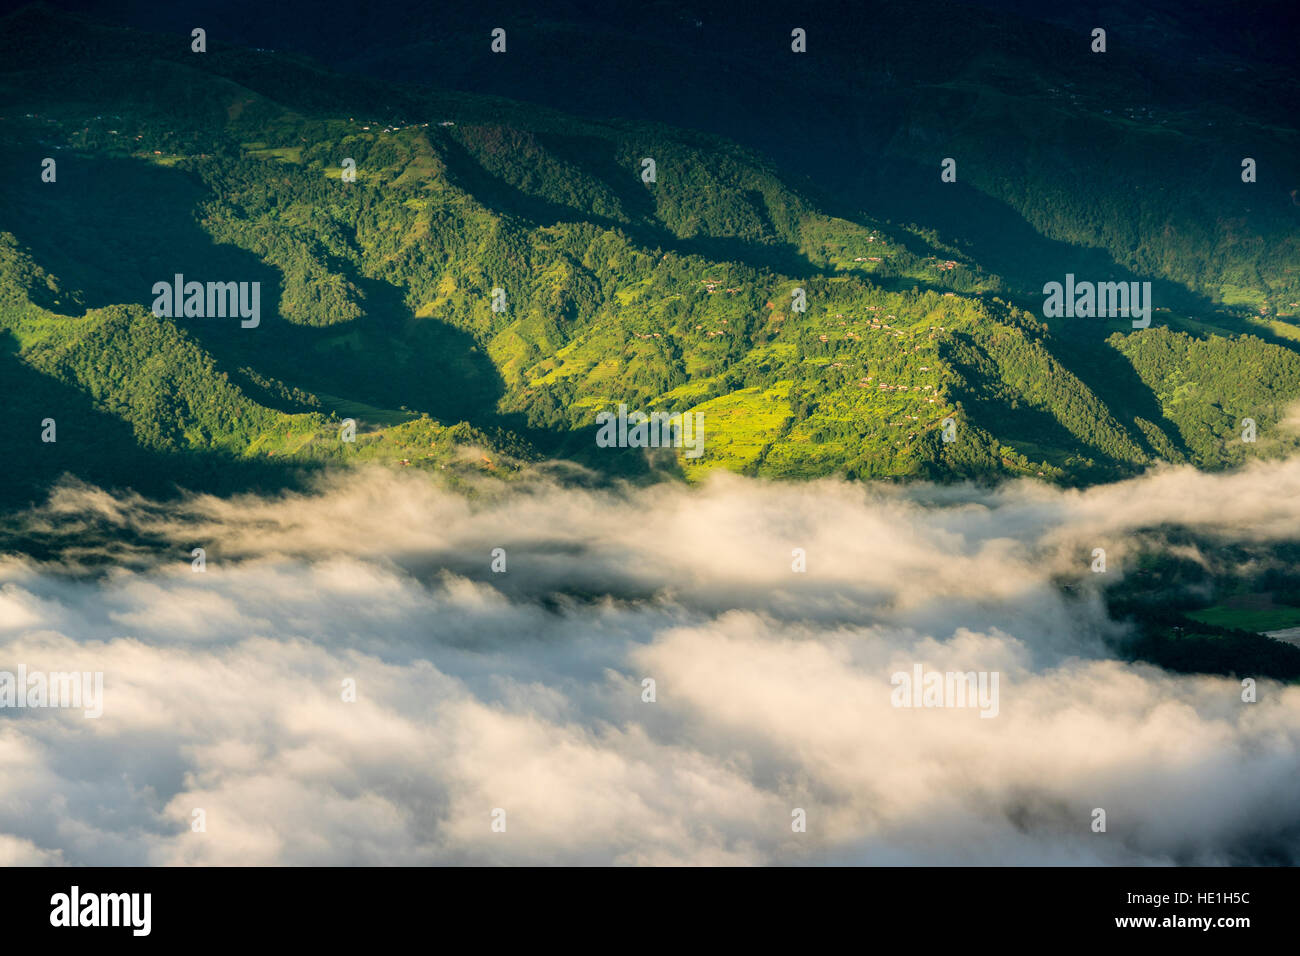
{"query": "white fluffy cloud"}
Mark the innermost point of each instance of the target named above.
(523, 690)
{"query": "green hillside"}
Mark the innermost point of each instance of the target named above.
(679, 295)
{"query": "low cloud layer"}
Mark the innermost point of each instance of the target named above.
(523, 690)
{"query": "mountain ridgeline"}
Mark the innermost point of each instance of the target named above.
(471, 280)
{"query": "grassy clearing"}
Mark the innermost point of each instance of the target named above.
(1259, 620)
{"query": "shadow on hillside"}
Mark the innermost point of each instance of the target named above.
(101, 448)
(112, 228)
(994, 234)
(640, 225)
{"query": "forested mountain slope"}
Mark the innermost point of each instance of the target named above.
(1128, 159)
(679, 294)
